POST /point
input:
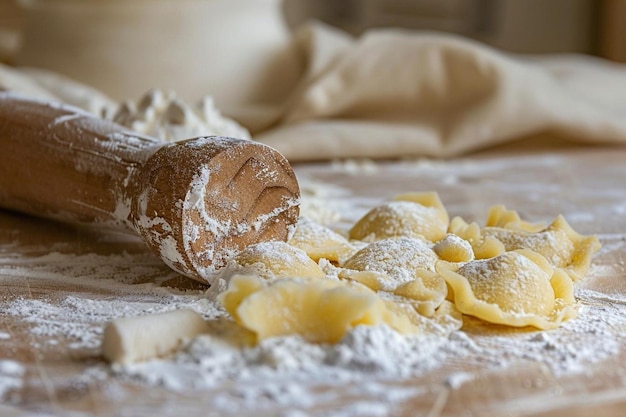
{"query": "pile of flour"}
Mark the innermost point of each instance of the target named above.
(165, 116)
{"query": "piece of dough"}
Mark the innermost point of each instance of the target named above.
(320, 242)
(273, 259)
(135, 339)
(398, 259)
(445, 319)
(499, 216)
(321, 311)
(409, 215)
(425, 293)
(484, 247)
(453, 248)
(561, 245)
(518, 288)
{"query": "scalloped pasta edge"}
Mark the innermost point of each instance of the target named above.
(584, 248)
(467, 303)
(500, 216)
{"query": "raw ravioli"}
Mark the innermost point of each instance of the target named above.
(320, 310)
(320, 242)
(518, 288)
(275, 260)
(409, 215)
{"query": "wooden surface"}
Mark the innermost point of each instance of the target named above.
(586, 185)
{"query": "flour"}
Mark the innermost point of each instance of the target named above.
(374, 367)
(11, 377)
(287, 371)
(165, 116)
(325, 203)
(290, 373)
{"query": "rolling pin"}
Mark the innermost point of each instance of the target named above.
(194, 203)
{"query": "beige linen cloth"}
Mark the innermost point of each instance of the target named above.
(394, 93)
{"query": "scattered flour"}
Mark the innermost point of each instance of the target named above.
(11, 377)
(285, 376)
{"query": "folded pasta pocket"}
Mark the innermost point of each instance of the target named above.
(561, 245)
(410, 215)
(319, 241)
(274, 259)
(320, 310)
(518, 288)
(398, 259)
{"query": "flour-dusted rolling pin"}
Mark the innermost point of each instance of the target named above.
(194, 203)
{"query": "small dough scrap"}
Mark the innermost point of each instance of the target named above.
(518, 288)
(399, 259)
(409, 215)
(484, 247)
(559, 243)
(274, 259)
(320, 242)
(426, 292)
(371, 279)
(447, 318)
(134, 339)
(321, 311)
(499, 216)
(453, 248)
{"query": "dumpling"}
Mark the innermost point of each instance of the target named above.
(403, 267)
(561, 245)
(518, 288)
(409, 215)
(395, 260)
(274, 259)
(321, 311)
(320, 242)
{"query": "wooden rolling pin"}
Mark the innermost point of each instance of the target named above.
(194, 202)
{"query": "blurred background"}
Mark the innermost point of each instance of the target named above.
(242, 52)
(529, 26)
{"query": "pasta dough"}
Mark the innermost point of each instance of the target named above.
(411, 259)
(559, 243)
(499, 216)
(518, 288)
(403, 267)
(484, 247)
(396, 259)
(453, 248)
(425, 293)
(410, 215)
(320, 242)
(272, 260)
(135, 339)
(321, 310)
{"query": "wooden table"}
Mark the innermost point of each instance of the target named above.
(47, 361)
